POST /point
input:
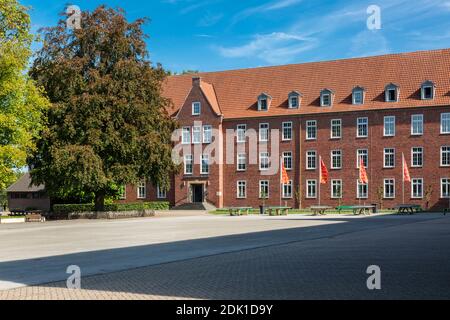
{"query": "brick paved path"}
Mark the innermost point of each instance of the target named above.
(414, 259)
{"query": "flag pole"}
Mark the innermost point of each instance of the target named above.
(403, 178)
(281, 179)
(320, 175)
(360, 163)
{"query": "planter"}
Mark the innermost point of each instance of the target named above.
(11, 220)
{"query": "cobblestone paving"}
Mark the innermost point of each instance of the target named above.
(414, 259)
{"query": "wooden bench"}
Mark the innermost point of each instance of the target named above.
(34, 218)
(278, 211)
(239, 211)
(408, 209)
(319, 210)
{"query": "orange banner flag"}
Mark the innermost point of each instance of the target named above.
(284, 175)
(362, 172)
(323, 172)
(406, 175)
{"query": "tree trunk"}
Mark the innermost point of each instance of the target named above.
(100, 201)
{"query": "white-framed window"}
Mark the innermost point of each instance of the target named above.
(142, 190)
(160, 192)
(287, 160)
(362, 127)
(188, 165)
(417, 124)
(358, 96)
(445, 156)
(196, 108)
(416, 157)
(311, 189)
(336, 129)
(445, 188)
(364, 154)
(263, 132)
(204, 167)
(264, 161)
(336, 189)
(186, 137)
(123, 192)
(417, 188)
(389, 188)
(389, 126)
(263, 103)
(389, 158)
(391, 93)
(241, 132)
(196, 134)
(207, 134)
(241, 162)
(264, 189)
(287, 190)
(336, 159)
(427, 90)
(294, 101)
(311, 160)
(241, 189)
(311, 130)
(287, 131)
(445, 123)
(362, 190)
(326, 98)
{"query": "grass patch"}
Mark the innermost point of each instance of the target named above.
(301, 211)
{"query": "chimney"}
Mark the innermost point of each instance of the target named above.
(196, 81)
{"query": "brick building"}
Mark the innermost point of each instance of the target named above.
(377, 108)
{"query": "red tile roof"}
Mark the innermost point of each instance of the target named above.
(237, 90)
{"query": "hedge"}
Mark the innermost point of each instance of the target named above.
(115, 207)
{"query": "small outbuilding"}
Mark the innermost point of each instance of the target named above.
(23, 196)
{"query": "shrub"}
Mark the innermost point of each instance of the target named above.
(114, 207)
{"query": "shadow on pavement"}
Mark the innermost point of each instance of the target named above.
(316, 262)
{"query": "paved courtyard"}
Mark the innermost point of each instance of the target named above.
(219, 257)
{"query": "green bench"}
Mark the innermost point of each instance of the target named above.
(342, 208)
(278, 211)
(239, 211)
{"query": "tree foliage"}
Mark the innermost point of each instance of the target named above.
(107, 124)
(21, 102)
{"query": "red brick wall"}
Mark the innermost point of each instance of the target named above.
(221, 183)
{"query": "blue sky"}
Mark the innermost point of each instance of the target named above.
(211, 35)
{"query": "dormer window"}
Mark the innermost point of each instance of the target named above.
(427, 90)
(264, 102)
(391, 93)
(358, 96)
(294, 99)
(196, 108)
(326, 98)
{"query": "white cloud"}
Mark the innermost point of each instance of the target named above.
(271, 6)
(274, 48)
(369, 43)
(210, 19)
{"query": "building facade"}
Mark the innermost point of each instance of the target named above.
(24, 196)
(236, 127)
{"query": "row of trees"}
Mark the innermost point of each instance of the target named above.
(93, 102)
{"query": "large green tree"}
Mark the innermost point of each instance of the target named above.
(107, 125)
(21, 102)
